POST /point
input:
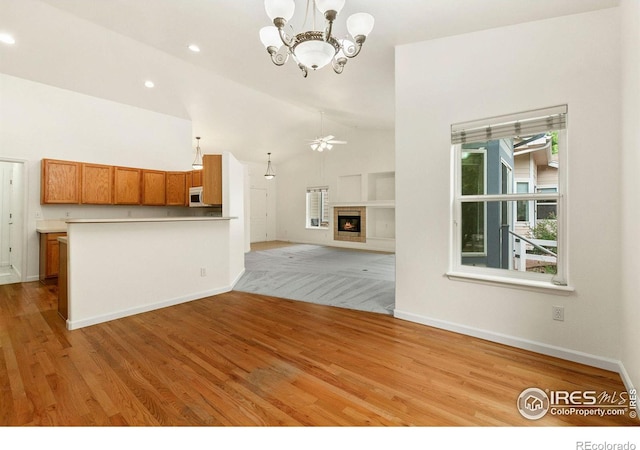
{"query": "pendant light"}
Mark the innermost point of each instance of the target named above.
(197, 163)
(270, 174)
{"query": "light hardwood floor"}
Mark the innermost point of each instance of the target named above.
(243, 359)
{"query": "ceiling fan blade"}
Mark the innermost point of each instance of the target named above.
(336, 142)
(327, 138)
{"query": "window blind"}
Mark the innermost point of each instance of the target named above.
(521, 124)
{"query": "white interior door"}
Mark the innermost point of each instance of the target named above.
(259, 212)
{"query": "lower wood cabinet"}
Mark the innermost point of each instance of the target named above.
(49, 255)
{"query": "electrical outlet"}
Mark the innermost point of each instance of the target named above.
(203, 272)
(558, 313)
(67, 214)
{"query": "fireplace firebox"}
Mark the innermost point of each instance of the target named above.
(350, 223)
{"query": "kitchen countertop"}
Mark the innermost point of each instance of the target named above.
(51, 226)
(150, 219)
(60, 226)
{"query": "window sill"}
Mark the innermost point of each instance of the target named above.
(318, 228)
(517, 283)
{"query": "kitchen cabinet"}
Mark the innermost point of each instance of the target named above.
(212, 179)
(126, 185)
(60, 182)
(97, 184)
(196, 178)
(154, 187)
(49, 255)
(178, 184)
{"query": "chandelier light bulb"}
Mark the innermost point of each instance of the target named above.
(270, 37)
(330, 5)
(360, 24)
(280, 9)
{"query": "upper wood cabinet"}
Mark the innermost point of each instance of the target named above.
(178, 184)
(196, 178)
(97, 184)
(68, 182)
(127, 183)
(154, 187)
(60, 181)
(212, 179)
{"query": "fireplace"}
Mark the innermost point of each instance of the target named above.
(349, 223)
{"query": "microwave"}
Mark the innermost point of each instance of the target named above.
(196, 197)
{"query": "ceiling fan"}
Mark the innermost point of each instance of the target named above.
(327, 142)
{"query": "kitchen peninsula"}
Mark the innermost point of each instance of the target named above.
(121, 267)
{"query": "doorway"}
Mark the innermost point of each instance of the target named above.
(259, 212)
(11, 221)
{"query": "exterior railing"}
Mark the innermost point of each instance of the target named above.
(521, 255)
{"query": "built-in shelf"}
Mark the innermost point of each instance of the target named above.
(376, 204)
(381, 186)
(381, 223)
(377, 192)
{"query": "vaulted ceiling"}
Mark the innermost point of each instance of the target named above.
(107, 48)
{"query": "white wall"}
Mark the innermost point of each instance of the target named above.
(124, 268)
(630, 329)
(40, 121)
(573, 60)
(367, 151)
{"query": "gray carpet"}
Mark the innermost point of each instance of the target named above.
(326, 275)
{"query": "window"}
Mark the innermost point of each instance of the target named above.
(318, 207)
(494, 236)
(522, 187)
(546, 209)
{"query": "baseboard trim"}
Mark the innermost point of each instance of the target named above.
(525, 344)
(235, 281)
(76, 324)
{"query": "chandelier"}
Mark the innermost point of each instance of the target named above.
(197, 163)
(269, 174)
(313, 49)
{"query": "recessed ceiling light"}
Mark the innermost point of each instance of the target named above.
(149, 84)
(7, 39)
(194, 48)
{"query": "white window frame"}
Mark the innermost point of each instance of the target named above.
(527, 280)
(324, 207)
